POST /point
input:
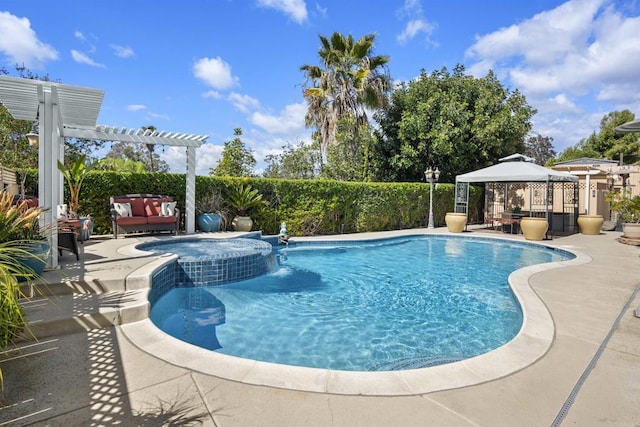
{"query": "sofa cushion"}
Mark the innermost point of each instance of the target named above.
(137, 206)
(161, 219)
(131, 220)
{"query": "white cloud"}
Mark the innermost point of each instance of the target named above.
(215, 72)
(214, 94)
(79, 35)
(296, 9)
(410, 9)
(244, 103)
(23, 47)
(415, 27)
(575, 47)
(122, 51)
(158, 116)
(81, 58)
(290, 120)
(583, 55)
(207, 157)
(136, 107)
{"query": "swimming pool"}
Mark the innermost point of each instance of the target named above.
(379, 305)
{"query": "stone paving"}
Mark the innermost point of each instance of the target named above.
(90, 375)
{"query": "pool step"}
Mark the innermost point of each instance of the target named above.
(55, 315)
(414, 363)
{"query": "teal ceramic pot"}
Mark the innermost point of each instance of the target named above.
(209, 222)
(37, 262)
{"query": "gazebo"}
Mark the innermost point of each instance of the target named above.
(629, 127)
(66, 111)
(533, 190)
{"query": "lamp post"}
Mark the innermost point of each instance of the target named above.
(431, 176)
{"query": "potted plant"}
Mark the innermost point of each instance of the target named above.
(24, 243)
(590, 224)
(628, 212)
(74, 176)
(242, 199)
(212, 216)
(23, 255)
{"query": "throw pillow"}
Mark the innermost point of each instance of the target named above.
(62, 212)
(123, 209)
(168, 209)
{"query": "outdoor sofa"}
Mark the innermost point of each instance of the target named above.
(135, 213)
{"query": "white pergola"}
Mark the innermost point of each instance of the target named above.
(66, 111)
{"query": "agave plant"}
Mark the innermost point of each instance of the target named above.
(19, 230)
(243, 198)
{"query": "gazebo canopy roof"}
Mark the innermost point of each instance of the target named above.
(629, 127)
(516, 171)
(79, 108)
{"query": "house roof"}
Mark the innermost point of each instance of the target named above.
(587, 161)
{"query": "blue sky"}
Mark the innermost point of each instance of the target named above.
(207, 67)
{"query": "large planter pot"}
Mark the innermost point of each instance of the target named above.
(455, 221)
(534, 228)
(86, 228)
(209, 222)
(37, 262)
(590, 224)
(242, 223)
(631, 230)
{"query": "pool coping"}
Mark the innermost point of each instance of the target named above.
(530, 344)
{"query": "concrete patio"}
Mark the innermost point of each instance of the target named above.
(85, 374)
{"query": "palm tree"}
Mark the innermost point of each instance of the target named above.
(349, 81)
(150, 147)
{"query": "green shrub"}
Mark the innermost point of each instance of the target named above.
(307, 206)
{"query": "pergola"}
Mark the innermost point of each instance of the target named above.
(66, 111)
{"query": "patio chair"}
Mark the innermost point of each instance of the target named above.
(507, 219)
(67, 238)
(490, 221)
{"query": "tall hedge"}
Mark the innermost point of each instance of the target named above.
(309, 207)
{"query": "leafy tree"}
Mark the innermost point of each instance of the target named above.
(28, 155)
(15, 151)
(607, 143)
(349, 80)
(134, 152)
(237, 160)
(540, 148)
(76, 147)
(346, 162)
(581, 149)
(300, 162)
(119, 165)
(452, 121)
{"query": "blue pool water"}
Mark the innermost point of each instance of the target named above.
(385, 305)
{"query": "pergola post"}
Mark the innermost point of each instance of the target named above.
(190, 196)
(50, 185)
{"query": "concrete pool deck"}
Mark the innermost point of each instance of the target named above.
(103, 377)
